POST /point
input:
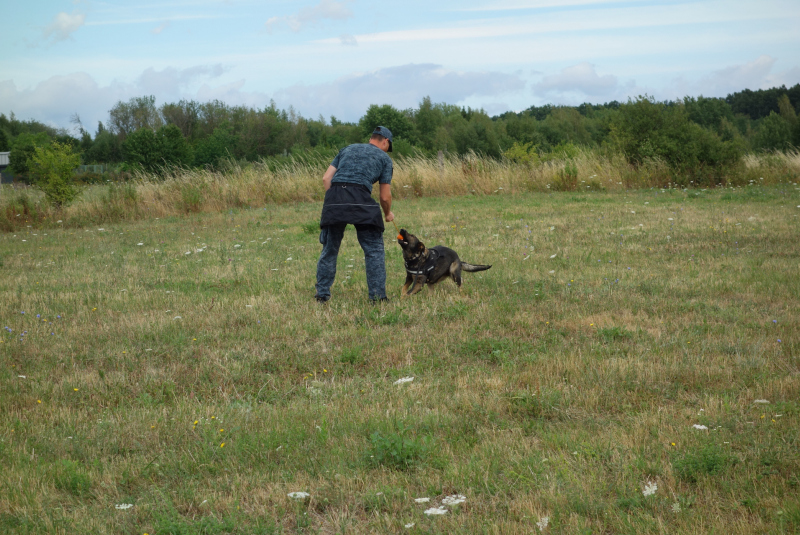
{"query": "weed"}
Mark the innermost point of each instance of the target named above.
(536, 405)
(352, 355)
(72, 478)
(567, 178)
(613, 334)
(399, 449)
(312, 227)
(192, 198)
(710, 459)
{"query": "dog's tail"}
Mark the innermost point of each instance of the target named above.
(466, 266)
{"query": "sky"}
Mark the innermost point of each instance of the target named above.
(334, 58)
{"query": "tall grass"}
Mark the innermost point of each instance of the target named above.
(180, 191)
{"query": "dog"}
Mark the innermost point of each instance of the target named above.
(429, 266)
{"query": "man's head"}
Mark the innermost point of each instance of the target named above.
(380, 136)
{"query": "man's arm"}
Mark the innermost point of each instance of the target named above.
(328, 176)
(386, 202)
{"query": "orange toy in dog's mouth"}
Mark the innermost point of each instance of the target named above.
(400, 237)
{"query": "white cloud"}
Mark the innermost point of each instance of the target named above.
(271, 23)
(349, 40)
(171, 81)
(581, 83)
(326, 9)
(63, 26)
(581, 77)
(54, 100)
(751, 75)
(150, 20)
(232, 94)
(309, 15)
(754, 75)
(513, 5)
(403, 87)
(626, 16)
(159, 29)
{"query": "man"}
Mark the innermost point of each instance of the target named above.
(348, 186)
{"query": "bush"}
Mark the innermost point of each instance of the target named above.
(23, 147)
(774, 133)
(645, 130)
(523, 153)
(152, 151)
(54, 168)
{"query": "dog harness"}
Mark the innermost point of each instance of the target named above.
(428, 266)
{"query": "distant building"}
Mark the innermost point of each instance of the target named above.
(5, 177)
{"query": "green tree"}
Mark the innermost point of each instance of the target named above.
(141, 150)
(175, 150)
(153, 151)
(427, 120)
(105, 148)
(796, 134)
(23, 148)
(185, 115)
(54, 168)
(786, 109)
(261, 133)
(390, 117)
(211, 115)
(759, 104)
(568, 125)
(215, 148)
(137, 113)
(645, 129)
(708, 112)
(774, 133)
(5, 145)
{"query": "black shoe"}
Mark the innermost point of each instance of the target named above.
(321, 299)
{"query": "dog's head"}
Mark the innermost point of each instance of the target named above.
(412, 247)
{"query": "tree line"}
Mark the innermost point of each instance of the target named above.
(691, 135)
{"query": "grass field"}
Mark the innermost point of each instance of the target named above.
(630, 364)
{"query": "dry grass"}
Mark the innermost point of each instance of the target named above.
(258, 185)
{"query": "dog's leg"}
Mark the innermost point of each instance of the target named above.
(455, 273)
(419, 284)
(409, 280)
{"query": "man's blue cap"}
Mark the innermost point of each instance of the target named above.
(385, 132)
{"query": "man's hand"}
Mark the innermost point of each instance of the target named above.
(328, 176)
(386, 202)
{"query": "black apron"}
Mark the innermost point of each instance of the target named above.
(347, 203)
